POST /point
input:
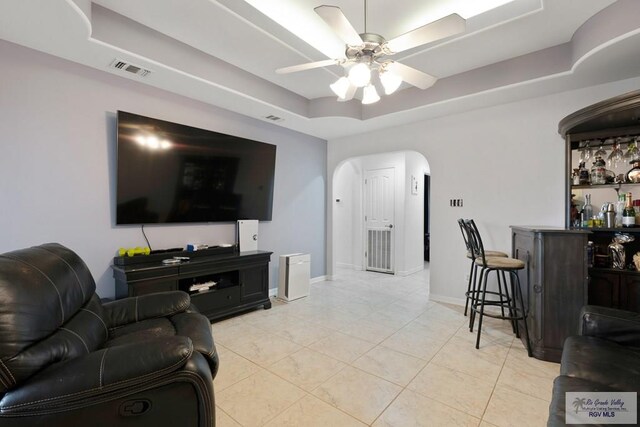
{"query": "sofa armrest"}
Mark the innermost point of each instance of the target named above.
(620, 326)
(198, 328)
(134, 309)
(81, 380)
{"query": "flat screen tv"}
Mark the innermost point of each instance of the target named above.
(172, 173)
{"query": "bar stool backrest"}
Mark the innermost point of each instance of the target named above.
(476, 241)
(463, 229)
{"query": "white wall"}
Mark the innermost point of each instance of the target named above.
(348, 214)
(415, 166)
(57, 167)
(506, 162)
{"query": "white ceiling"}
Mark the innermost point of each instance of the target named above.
(225, 52)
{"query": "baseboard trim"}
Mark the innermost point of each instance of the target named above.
(448, 300)
(318, 279)
(349, 266)
(410, 272)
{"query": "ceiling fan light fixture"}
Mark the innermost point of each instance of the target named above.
(360, 75)
(340, 87)
(370, 95)
(390, 81)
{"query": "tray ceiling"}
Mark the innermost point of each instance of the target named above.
(225, 52)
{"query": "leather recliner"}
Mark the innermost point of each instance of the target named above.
(605, 356)
(66, 359)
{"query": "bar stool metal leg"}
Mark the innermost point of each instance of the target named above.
(471, 272)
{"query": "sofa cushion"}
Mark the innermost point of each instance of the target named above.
(561, 386)
(141, 331)
(601, 361)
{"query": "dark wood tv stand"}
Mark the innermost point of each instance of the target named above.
(242, 279)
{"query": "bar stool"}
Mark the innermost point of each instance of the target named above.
(473, 270)
(514, 303)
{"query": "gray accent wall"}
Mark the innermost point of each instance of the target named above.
(58, 162)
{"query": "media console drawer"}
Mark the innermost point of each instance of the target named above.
(243, 279)
(210, 301)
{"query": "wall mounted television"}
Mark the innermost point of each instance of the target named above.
(172, 173)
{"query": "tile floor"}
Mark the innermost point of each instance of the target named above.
(371, 349)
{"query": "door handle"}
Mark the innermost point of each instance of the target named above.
(389, 226)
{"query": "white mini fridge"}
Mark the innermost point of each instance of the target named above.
(295, 275)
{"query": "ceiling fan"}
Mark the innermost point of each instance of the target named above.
(369, 52)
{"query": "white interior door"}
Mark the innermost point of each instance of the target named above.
(379, 197)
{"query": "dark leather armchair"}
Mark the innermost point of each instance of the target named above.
(66, 359)
(605, 356)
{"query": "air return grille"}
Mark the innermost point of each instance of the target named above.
(379, 250)
(138, 70)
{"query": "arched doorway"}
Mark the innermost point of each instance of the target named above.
(350, 244)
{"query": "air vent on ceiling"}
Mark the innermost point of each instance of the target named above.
(138, 70)
(273, 118)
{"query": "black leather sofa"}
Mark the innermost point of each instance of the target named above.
(66, 359)
(605, 356)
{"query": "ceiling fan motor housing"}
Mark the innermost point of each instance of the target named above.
(371, 47)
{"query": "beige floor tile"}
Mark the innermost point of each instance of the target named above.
(307, 368)
(358, 307)
(369, 331)
(519, 360)
(526, 383)
(333, 319)
(446, 314)
(258, 398)
(413, 343)
(399, 368)
(434, 329)
(358, 393)
(233, 334)
(303, 333)
(265, 349)
(265, 367)
(461, 391)
(342, 347)
(494, 351)
(224, 420)
(394, 318)
(509, 408)
(413, 410)
(489, 335)
(415, 306)
(468, 360)
(313, 412)
(233, 368)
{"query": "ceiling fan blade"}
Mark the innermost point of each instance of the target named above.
(339, 23)
(412, 76)
(307, 66)
(436, 30)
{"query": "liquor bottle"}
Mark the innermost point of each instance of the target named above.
(619, 209)
(587, 218)
(628, 214)
(583, 174)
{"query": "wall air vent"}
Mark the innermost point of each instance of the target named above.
(119, 64)
(273, 118)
